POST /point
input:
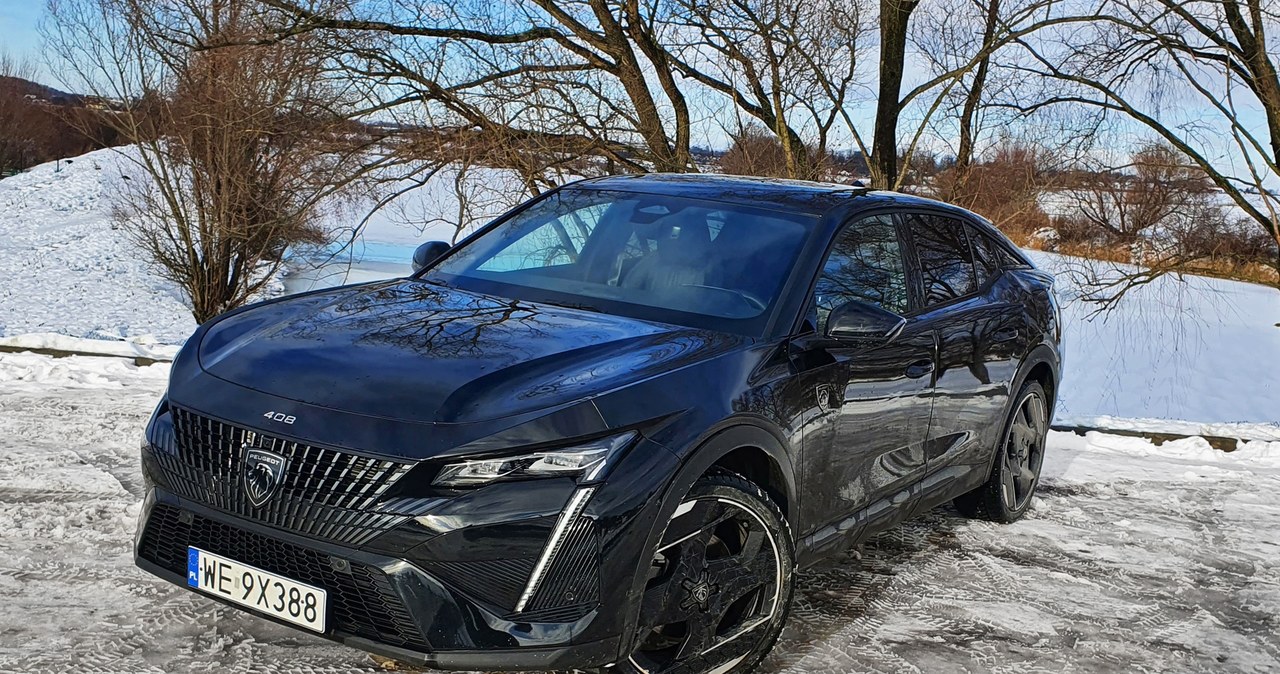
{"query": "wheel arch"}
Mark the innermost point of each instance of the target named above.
(734, 446)
(1041, 365)
(746, 448)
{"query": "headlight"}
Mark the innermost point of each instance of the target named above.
(586, 461)
(158, 435)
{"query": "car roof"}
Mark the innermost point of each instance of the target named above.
(773, 193)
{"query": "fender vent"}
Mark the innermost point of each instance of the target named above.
(572, 586)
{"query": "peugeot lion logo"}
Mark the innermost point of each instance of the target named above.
(263, 473)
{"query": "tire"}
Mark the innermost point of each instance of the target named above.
(1007, 494)
(720, 583)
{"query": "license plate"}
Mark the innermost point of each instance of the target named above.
(250, 586)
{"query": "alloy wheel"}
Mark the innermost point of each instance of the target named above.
(715, 585)
(1024, 452)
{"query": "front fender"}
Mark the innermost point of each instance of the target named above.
(716, 443)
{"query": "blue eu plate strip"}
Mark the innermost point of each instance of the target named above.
(193, 567)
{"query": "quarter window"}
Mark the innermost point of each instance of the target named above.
(865, 264)
(946, 263)
(986, 253)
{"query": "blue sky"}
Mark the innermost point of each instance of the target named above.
(18, 35)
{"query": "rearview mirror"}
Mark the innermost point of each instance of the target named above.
(862, 320)
(428, 253)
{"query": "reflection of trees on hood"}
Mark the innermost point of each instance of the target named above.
(419, 317)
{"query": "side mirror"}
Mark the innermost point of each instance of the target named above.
(427, 253)
(862, 320)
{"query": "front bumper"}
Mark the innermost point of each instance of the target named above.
(419, 596)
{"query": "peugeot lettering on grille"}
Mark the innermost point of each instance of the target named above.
(263, 473)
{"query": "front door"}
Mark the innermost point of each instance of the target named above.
(862, 461)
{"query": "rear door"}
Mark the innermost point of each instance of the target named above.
(967, 303)
(863, 457)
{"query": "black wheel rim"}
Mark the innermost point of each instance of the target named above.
(713, 589)
(1024, 452)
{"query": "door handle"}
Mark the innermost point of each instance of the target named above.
(1005, 335)
(919, 368)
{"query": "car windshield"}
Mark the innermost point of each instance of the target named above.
(690, 262)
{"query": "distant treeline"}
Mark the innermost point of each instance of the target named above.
(39, 124)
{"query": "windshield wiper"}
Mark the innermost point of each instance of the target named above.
(571, 305)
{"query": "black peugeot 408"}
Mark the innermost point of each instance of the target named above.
(606, 429)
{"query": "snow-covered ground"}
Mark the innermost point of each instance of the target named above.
(65, 269)
(1185, 348)
(1134, 558)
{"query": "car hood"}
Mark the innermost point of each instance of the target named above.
(415, 351)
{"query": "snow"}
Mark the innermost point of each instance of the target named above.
(31, 370)
(1135, 557)
(143, 346)
(1186, 348)
(64, 268)
(1243, 431)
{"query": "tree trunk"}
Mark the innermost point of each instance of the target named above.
(883, 163)
(968, 117)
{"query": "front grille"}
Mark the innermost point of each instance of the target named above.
(361, 601)
(324, 492)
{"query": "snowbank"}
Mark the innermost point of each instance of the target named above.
(64, 268)
(27, 370)
(143, 346)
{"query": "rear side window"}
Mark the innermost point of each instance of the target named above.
(986, 254)
(946, 262)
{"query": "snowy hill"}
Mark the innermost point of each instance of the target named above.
(65, 269)
(1192, 349)
(1182, 347)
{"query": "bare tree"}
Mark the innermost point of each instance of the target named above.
(40, 124)
(236, 148)
(755, 151)
(1157, 210)
(589, 76)
(1157, 186)
(1188, 72)
(791, 67)
(17, 142)
(1004, 184)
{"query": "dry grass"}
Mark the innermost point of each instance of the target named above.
(1231, 270)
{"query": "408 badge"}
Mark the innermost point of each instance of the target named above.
(280, 417)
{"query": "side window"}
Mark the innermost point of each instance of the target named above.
(946, 263)
(865, 264)
(556, 242)
(986, 253)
